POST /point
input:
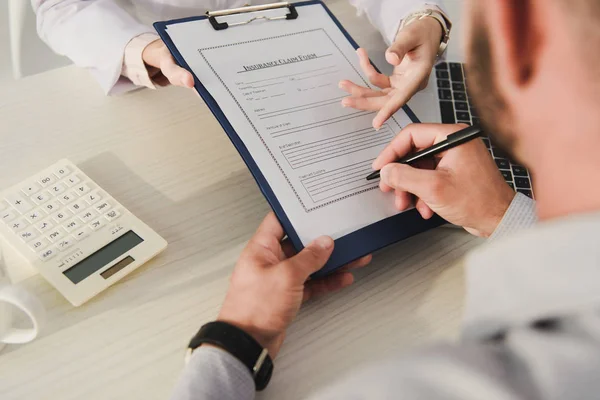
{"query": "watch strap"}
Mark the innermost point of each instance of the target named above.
(240, 345)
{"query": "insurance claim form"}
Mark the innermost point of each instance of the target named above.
(277, 84)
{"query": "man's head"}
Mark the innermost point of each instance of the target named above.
(533, 70)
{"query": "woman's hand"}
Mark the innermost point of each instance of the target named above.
(413, 55)
(162, 68)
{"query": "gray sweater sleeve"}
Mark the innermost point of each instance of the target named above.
(520, 215)
(214, 374)
(544, 360)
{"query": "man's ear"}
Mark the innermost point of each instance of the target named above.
(517, 37)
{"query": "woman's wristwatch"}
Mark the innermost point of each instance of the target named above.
(240, 345)
(438, 15)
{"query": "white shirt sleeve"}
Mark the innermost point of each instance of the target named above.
(93, 34)
(386, 15)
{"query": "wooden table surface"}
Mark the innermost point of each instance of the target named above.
(164, 157)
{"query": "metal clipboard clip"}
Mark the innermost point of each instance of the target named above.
(218, 26)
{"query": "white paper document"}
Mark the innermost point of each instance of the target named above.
(277, 84)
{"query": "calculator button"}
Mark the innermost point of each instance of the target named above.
(3, 205)
(82, 189)
(112, 215)
(93, 198)
(97, 224)
(51, 207)
(18, 224)
(72, 225)
(23, 206)
(87, 216)
(47, 254)
(47, 180)
(61, 216)
(31, 189)
(82, 233)
(72, 180)
(62, 172)
(19, 203)
(34, 216)
(8, 215)
(56, 234)
(64, 244)
(103, 207)
(66, 198)
(28, 234)
(44, 226)
(39, 244)
(57, 189)
(41, 198)
(78, 206)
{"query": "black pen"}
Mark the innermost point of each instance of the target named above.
(453, 140)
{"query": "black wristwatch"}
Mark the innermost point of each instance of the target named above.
(240, 345)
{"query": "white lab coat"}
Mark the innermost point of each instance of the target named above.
(94, 33)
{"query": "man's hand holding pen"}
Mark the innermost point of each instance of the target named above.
(462, 185)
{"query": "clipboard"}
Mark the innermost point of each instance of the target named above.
(349, 247)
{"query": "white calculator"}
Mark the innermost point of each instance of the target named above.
(76, 235)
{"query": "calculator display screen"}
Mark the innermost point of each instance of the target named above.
(103, 257)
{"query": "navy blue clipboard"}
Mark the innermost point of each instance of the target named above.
(347, 248)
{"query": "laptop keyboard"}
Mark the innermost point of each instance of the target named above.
(456, 107)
